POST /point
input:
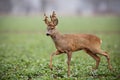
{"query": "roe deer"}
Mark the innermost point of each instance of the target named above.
(68, 43)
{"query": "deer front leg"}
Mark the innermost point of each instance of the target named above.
(55, 53)
(69, 55)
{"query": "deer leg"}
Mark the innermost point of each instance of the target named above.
(55, 53)
(69, 55)
(108, 60)
(106, 55)
(97, 58)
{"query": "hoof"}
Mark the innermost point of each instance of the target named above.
(110, 68)
(50, 67)
(68, 75)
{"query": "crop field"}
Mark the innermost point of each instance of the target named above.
(25, 49)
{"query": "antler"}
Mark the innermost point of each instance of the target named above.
(54, 18)
(46, 19)
(53, 14)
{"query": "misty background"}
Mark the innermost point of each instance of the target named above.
(66, 7)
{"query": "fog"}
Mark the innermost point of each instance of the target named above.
(66, 7)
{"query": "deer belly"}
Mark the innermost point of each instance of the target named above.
(67, 48)
(76, 47)
(64, 48)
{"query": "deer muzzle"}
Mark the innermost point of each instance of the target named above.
(48, 34)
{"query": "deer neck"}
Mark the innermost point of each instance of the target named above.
(56, 36)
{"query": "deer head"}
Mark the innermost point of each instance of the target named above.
(51, 24)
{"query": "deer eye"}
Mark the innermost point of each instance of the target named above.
(52, 28)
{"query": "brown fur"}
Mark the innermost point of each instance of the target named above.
(68, 43)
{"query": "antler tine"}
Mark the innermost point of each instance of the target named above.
(51, 17)
(54, 18)
(46, 20)
(53, 14)
(45, 15)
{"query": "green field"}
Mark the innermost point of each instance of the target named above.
(25, 49)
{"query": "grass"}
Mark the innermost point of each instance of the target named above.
(25, 50)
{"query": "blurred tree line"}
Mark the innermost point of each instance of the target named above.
(62, 6)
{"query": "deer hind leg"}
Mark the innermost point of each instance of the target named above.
(97, 58)
(55, 53)
(99, 51)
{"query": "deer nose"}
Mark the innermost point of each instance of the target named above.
(47, 34)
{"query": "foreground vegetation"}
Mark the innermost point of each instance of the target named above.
(25, 50)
